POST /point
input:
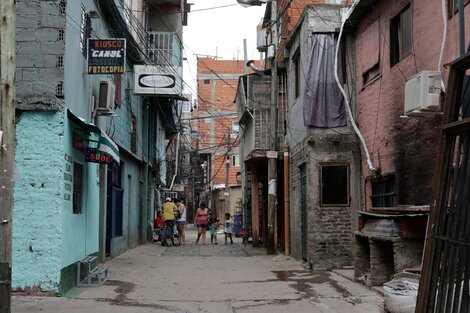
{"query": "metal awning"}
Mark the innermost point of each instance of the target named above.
(104, 146)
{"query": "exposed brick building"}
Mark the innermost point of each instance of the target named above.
(216, 123)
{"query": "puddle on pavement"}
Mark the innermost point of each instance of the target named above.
(304, 282)
(123, 288)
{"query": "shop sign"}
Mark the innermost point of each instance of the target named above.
(158, 80)
(96, 156)
(106, 56)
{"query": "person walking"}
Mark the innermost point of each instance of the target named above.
(181, 221)
(201, 220)
(228, 228)
(169, 210)
(213, 229)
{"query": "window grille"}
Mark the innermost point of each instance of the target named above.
(77, 187)
(60, 90)
(383, 192)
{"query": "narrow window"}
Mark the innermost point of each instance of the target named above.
(60, 35)
(134, 134)
(62, 6)
(334, 185)
(60, 90)
(207, 81)
(235, 160)
(400, 36)
(60, 61)
(297, 74)
(383, 192)
(453, 7)
(77, 187)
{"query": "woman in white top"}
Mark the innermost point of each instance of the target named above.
(182, 220)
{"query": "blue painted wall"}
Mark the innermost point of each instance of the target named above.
(80, 231)
(38, 200)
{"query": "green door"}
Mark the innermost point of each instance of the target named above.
(303, 211)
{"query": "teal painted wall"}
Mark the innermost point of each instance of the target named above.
(80, 231)
(131, 186)
(38, 200)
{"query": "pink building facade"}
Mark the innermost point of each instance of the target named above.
(394, 41)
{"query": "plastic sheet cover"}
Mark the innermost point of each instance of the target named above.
(323, 101)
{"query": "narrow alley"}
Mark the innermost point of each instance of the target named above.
(209, 278)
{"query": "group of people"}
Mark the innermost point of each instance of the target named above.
(173, 214)
(204, 220)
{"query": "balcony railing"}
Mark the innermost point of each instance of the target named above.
(164, 48)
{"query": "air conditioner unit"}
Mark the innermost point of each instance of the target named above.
(106, 97)
(422, 93)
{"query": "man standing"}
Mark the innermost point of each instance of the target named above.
(181, 221)
(169, 210)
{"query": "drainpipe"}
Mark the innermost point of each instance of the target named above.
(462, 27)
(286, 201)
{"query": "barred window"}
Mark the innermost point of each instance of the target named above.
(77, 187)
(383, 192)
(62, 6)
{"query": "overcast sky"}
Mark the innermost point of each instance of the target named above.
(219, 30)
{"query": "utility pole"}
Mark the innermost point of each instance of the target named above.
(272, 162)
(7, 144)
(227, 169)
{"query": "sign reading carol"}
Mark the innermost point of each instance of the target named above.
(106, 56)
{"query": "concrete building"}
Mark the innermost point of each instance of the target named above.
(70, 203)
(323, 148)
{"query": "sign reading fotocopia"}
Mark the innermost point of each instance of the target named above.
(106, 56)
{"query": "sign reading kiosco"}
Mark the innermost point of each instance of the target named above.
(106, 56)
(158, 80)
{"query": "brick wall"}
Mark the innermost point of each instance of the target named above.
(217, 87)
(329, 228)
(404, 147)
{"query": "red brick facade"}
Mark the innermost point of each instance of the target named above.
(217, 82)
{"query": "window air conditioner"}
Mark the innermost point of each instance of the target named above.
(422, 93)
(106, 97)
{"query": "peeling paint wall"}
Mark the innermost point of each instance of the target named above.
(38, 201)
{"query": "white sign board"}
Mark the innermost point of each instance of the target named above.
(271, 154)
(158, 80)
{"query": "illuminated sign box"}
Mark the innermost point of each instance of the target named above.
(106, 56)
(158, 80)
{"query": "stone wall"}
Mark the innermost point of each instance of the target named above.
(40, 55)
(38, 201)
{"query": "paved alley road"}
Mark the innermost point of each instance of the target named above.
(213, 279)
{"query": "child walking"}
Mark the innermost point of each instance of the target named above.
(228, 225)
(213, 228)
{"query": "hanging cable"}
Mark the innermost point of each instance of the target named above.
(353, 123)
(444, 39)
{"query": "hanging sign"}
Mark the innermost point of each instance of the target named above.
(271, 154)
(106, 56)
(96, 156)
